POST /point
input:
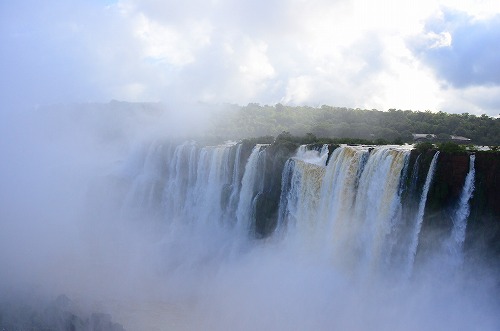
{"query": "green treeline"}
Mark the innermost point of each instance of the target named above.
(393, 126)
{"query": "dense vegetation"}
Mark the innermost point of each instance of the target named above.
(394, 126)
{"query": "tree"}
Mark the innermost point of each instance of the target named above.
(310, 138)
(424, 147)
(451, 147)
(280, 107)
(284, 136)
(398, 141)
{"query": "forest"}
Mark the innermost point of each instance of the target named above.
(392, 126)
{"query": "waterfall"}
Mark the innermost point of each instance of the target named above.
(340, 184)
(411, 190)
(360, 210)
(251, 185)
(456, 240)
(338, 196)
(347, 210)
(409, 202)
(197, 185)
(148, 181)
(313, 156)
(378, 206)
(178, 180)
(420, 216)
(204, 201)
(235, 187)
(286, 196)
(304, 195)
(266, 227)
(186, 183)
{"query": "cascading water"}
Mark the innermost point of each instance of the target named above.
(349, 208)
(286, 197)
(420, 217)
(349, 220)
(200, 185)
(147, 172)
(235, 187)
(251, 185)
(313, 156)
(377, 207)
(178, 182)
(455, 242)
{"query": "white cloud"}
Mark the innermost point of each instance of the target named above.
(348, 53)
(479, 9)
(165, 43)
(475, 100)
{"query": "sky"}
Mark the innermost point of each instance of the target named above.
(421, 55)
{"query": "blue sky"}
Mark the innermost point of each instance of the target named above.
(437, 55)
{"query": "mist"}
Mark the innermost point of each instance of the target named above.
(62, 232)
(85, 227)
(69, 227)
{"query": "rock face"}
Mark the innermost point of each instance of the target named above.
(449, 178)
(483, 225)
(267, 203)
(483, 229)
(487, 184)
(484, 219)
(259, 210)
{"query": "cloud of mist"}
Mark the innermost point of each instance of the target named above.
(53, 157)
(64, 232)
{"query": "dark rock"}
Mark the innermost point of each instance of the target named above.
(267, 203)
(483, 229)
(444, 193)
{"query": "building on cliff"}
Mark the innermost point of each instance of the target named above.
(431, 136)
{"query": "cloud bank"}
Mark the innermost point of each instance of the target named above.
(385, 54)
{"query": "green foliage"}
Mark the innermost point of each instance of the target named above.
(285, 136)
(451, 147)
(348, 141)
(280, 107)
(471, 148)
(398, 141)
(310, 138)
(253, 120)
(423, 147)
(380, 141)
(259, 140)
(291, 142)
